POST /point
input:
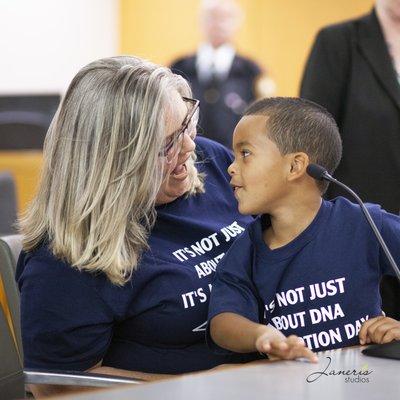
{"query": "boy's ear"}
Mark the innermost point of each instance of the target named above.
(298, 165)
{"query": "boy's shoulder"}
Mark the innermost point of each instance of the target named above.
(344, 208)
(244, 244)
(347, 217)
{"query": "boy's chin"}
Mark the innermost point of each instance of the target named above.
(246, 210)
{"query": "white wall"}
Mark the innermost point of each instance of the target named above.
(43, 43)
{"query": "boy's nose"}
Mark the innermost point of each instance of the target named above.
(232, 169)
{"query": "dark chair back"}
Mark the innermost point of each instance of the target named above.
(11, 372)
(24, 120)
(10, 247)
(8, 204)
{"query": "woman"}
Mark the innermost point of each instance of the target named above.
(122, 240)
(354, 72)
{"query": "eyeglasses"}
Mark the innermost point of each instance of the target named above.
(175, 140)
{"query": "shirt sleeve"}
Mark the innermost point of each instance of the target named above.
(232, 289)
(390, 231)
(65, 323)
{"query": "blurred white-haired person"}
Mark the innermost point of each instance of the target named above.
(131, 217)
(224, 80)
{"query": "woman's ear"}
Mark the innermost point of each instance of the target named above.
(298, 165)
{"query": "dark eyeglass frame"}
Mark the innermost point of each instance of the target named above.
(176, 136)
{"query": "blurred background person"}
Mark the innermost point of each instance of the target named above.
(158, 30)
(354, 71)
(224, 81)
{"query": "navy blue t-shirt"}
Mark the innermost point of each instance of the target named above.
(321, 286)
(156, 322)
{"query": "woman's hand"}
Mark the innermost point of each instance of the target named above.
(274, 343)
(379, 330)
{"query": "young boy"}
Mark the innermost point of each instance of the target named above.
(305, 274)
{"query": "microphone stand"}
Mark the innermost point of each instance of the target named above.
(378, 235)
(386, 350)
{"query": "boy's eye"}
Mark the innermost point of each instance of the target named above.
(244, 153)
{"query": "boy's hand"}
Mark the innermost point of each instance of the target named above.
(287, 348)
(379, 330)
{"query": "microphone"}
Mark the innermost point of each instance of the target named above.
(387, 350)
(318, 173)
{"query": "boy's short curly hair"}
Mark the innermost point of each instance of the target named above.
(296, 124)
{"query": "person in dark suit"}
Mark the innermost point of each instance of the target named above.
(224, 81)
(353, 71)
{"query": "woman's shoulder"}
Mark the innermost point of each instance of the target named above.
(206, 148)
(212, 156)
(38, 261)
(39, 271)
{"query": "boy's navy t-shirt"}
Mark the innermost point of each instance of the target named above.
(321, 286)
(156, 322)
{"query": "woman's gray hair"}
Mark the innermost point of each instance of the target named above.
(95, 204)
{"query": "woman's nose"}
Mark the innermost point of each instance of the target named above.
(188, 144)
